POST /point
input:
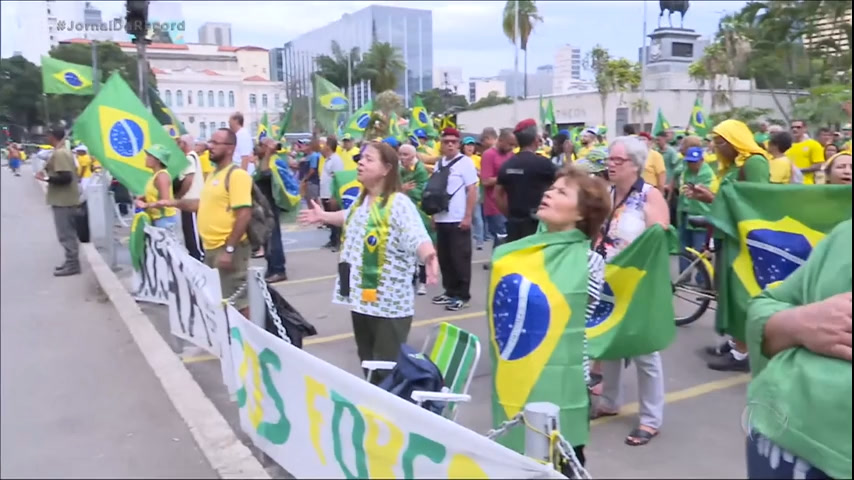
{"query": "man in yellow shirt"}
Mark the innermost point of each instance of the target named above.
(807, 154)
(588, 141)
(654, 172)
(347, 151)
(225, 209)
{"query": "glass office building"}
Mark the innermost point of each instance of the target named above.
(409, 30)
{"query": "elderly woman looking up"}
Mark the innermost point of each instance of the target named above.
(636, 206)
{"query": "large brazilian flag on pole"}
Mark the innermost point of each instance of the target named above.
(118, 128)
(536, 307)
(768, 232)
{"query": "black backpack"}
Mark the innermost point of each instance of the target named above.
(263, 220)
(414, 372)
(436, 198)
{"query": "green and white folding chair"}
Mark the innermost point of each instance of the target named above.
(456, 353)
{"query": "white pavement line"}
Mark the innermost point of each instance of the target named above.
(226, 453)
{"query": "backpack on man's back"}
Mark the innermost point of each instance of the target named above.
(436, 198)
(263, 219)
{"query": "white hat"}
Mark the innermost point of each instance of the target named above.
(81, 148)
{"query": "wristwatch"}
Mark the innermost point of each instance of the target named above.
(229, 249)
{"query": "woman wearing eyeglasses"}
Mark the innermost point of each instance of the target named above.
(636, 206)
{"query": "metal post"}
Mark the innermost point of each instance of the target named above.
(257, 309)
(516, 39)
(643, 74)
(142, 69)
(544, 417)
(96, 78)
(310, 95)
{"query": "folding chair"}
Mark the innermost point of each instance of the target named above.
(456, 353)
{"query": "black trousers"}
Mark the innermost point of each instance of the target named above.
(334, 232)
(189, 225)
(519, 228)
(453, 247)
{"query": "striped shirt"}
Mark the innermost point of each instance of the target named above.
(596, 266)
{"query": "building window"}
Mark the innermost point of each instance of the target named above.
(201, 98)
(264, 101)
(179, 98)
(189, 97)
(167, 98)
(213, 127)
(221, 124)
(210, 99)
(220, 96)
(277, 100)
(252, 100)
(203, 130)
(231, 99)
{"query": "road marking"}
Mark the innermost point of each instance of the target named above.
(677, 396)
(330, 277)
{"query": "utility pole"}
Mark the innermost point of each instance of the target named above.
(644, 54)
(136, 24)
(142, 69)
(516, 37)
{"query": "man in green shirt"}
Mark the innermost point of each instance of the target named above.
(63, 196)
(696, 173)
(799, 402)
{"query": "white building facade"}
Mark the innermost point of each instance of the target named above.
(567, 69)
(482, 87)
(450, 78)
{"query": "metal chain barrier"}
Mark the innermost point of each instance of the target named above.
(271, 308)
(564, 453)
(230, 300)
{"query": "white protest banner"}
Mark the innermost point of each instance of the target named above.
(318, 421)
(151, 283)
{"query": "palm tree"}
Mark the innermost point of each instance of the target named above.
(528, 17)
(334, 67)
(383, 65)
(598, 62)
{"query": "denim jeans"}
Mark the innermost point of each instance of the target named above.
(766, 460)
(275, 251)
(169, 224)
(496, 225)
(477, 225)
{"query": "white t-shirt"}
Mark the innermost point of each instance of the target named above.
(194, 167)
(243, 148)
(463, 174)
(330, 166)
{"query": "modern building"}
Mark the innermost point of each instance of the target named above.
(539, 83)
(567, 68)
(830, 29)
(448, 78)
(277, 65)
(215, 33)
(409, 30)
(204, 84)
(482, 87)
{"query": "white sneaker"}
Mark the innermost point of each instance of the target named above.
(421, 289)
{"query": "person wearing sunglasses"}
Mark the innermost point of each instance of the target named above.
(807, 154)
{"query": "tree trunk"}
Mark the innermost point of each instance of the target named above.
(604, 99)
(525, 75)
(777, 102)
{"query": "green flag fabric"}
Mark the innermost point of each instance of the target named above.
(118, 128)
(661, 123)
(66, 78)
(697, 123)
(542, 104)
(768, 231)
(550, 119)
(359, 121)
(421, 118)
(264, 129)
(136, 241)
(635, 312)
(346, 187)
(331, 105)
(165, 115)
(285, 122)
(536, 306)
(394, 129)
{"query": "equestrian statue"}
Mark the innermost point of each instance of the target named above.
(673, 6)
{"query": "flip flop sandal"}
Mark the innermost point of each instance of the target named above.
(639, 437)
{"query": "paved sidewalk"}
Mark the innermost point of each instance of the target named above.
(77, 398)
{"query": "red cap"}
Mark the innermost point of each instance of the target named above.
(645, 135)
(528, 122)
(451, 132)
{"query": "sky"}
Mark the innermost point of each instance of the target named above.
(465, 34)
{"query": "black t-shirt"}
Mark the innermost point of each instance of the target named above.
(525, 177)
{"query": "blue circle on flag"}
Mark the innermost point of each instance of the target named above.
(521, 314)
(349, 196)
(698, 118)
(363, 121)
(775, 255)
(422, 117)
(126, 138)
(604, 308)
(372, 240)
(72, 79)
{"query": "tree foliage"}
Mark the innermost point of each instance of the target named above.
(334, 67)
(611, 75)
(383, 65)
(440, 100)
(21, 98)
(529, 17)
(389, 102)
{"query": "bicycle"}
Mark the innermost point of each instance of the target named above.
(694, 284)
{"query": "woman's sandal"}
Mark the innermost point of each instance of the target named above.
(639, 437)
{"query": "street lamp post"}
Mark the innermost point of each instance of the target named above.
(516, 37)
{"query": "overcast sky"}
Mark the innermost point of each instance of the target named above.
(465, 34)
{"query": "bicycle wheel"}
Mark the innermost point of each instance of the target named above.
(692, 288)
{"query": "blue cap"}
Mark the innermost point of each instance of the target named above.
(694, 154)
(469, 141)
(564, 132)
(391, 141)
(420, 133)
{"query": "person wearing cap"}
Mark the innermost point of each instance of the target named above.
(588, 141)
(696, 173)
(427, 154)
(594, 163)
(654, 172)
(453, 227)
(63, 196)
(522, 181)
(158, 188)
(392, 142)
(347, 151)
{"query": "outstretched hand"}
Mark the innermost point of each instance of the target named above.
(311, 215)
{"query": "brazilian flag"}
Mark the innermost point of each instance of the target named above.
(420, 118)
(536, 307)
(285, 186)
(165, 115)
(698, 120)
(661, 123)
(635, 311)
(346, 187)
(66, 78)
(768, 231)
(359, 121)
(118, 128)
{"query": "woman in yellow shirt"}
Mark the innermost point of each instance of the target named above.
(159, 187)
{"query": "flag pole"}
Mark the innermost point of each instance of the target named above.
(515, 62)
(644, 54)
